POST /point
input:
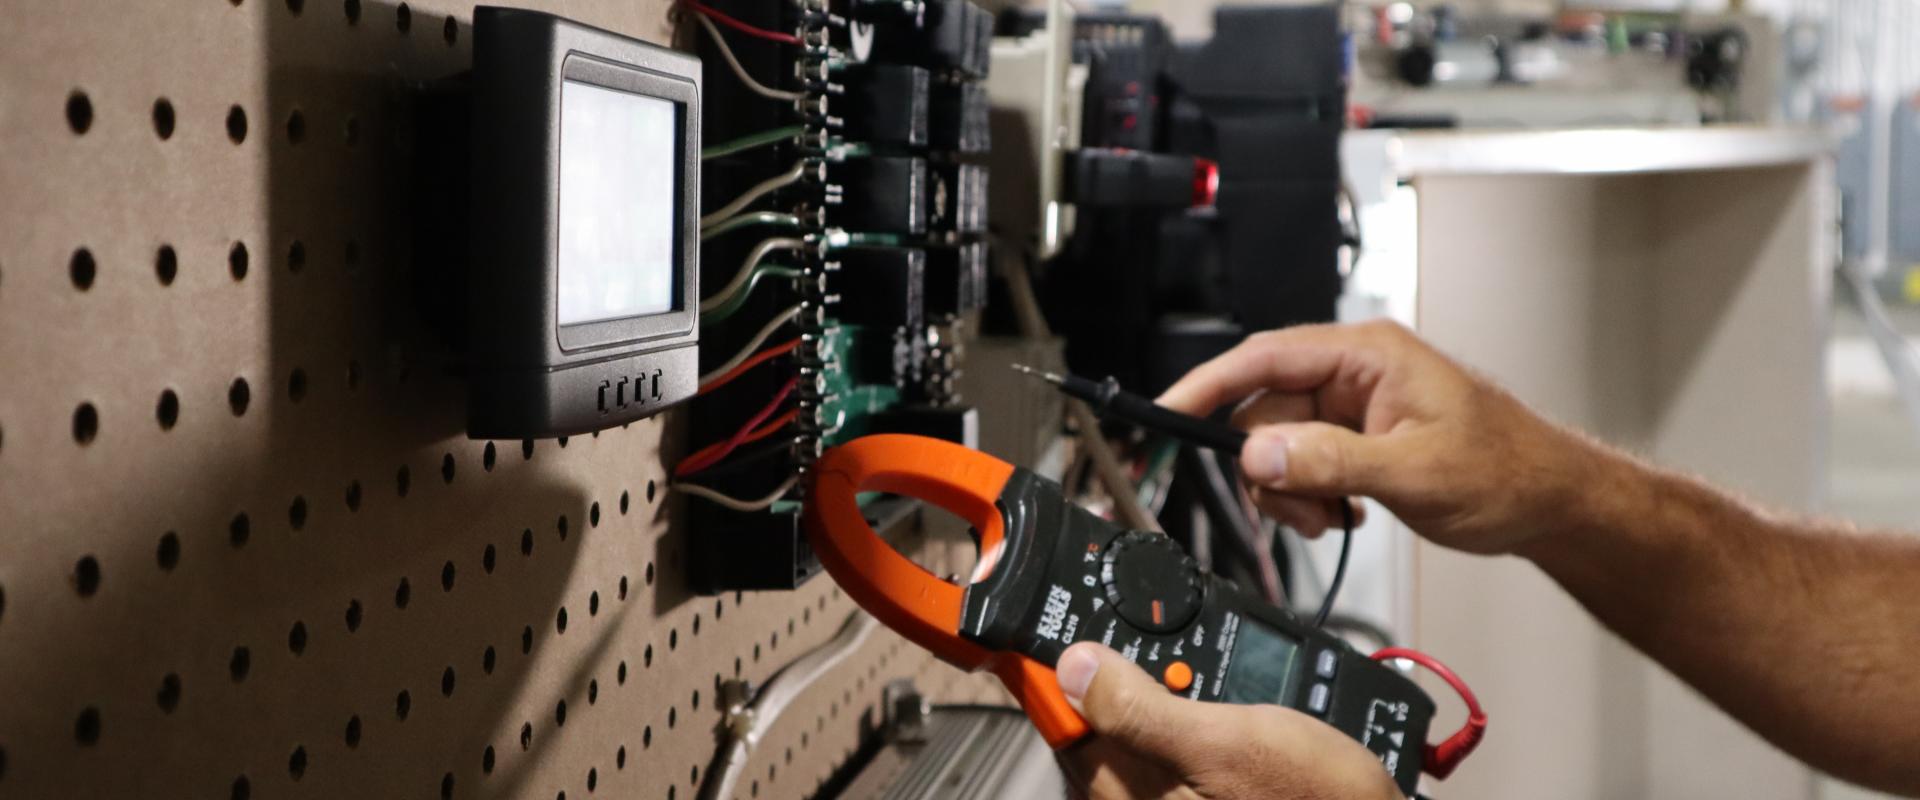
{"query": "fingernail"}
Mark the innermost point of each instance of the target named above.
(1075, 671)
(1265, 458)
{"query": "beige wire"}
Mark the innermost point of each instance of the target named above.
(745, 275)
(761, 189)
(753, 344)
(735, 503)
(726, 52)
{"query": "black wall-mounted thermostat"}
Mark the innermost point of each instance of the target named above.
(583, 291)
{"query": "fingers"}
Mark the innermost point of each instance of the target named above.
(1103, 769)
(1317, 459)
(1126, 706)
(1298, 360)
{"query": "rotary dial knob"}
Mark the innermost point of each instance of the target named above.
(1151, 582)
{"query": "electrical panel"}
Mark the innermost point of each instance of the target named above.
(843, 249)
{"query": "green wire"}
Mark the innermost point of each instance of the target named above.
(751, 141)
(1156, 464)
(739, 299)
(751, 218)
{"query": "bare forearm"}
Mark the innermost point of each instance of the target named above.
(1809, 633)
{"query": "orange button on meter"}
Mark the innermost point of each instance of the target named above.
(1178, 677)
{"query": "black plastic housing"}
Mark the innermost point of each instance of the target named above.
(960, 119)
(883, 194)
(956, 279)
(959, 204)
(886, 104)
(530, 375)
(879, 286)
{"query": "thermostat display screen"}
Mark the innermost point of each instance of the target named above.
(618, 187)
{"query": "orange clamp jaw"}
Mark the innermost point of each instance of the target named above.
(912, 601)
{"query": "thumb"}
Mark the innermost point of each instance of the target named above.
(1123, 704)
(1314, 458)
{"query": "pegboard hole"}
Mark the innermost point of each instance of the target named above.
(526, 449)
(487, 457)
(296, 6)
(296, 256)
(354, 614)
(352, 8)
(79, 112)
(593, 692)
(486, 760)
(86, 576)
(353, 496)
(593, 605)
(86, 727)
(242, 788)
(560, 714)
(168, 697)
(446, 786)
(646, 738)
(403, 18)
(351, 130)
(650, 489)
(447, 682)
(352, 736)
(487, 660)
(240, 663)
(623, 503)
(563, 441)
(562, 526)
(447, 574)
(623, 588)
(450, 31)
(237, 260)
(446, 468)
(239, 396)
(402, 705)
(593, 514)
(593, 779)
(402, 480)
(239, 530)
(167, 411)
(526, 542)
(696, 624)
(297, 763)
(526, 735)
(402, 594)
(297, 385)
(526, 640)
(297, 638)
(649, 573)
(163, 119)
(646, 659)
(297, 513)
(673, 717)
(696, 700)
(487, 560)
(296, 127)
(560, 621)
(236, 124)
(82, 269)
(166, 264)
(620, 674)
(167, 554)
(620, 758)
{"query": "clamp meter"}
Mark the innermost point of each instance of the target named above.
(1051, 574)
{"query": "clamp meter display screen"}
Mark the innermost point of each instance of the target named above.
(1263, 666)
(619, 183)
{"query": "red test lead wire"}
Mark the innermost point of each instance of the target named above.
(759, 33)
(709, 456)
(1441, 759)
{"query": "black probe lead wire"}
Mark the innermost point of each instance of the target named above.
(1340, 569)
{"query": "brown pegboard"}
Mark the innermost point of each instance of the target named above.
(245, 551)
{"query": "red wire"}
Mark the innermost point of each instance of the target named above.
(757, 359)
(1441, 759)
(707, 457)
(711, 454)
(761, 33)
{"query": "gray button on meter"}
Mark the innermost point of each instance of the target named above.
(1327, 664)
(1318, 697)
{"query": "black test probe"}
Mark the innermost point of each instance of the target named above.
(1109, 400)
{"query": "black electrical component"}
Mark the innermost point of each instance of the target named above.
(1102, 177)
(959, 202)
(881, 194)
(947, 35)
(565, 171)
(960, 118)
(956, 279)
(886, 104)
(878, 286)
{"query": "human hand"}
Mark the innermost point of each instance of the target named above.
(1370, 409)
(1150, 743)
